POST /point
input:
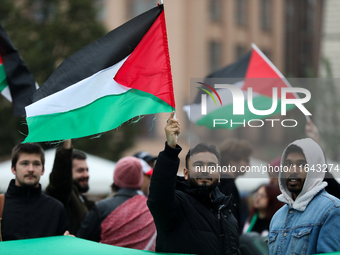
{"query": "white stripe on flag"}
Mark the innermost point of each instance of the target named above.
(6, 93)
(80, 94)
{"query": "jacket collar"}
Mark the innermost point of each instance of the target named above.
(128, 192)
(202, 195)
(17, 191)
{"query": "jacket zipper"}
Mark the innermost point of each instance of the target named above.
(221, 227)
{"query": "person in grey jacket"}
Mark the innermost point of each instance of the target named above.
(309, 222)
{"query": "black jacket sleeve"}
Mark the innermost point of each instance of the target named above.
(162, 200)
(63, 222)
(60, 186)
(90, 226)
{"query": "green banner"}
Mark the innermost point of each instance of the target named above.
(65, 245)
(68, 245)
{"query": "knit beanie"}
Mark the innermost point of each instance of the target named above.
(128, 173)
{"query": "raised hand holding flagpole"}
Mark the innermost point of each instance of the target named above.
(172, 130)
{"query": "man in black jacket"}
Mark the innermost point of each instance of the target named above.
(190, 213)
(28, 213)
(68, 181)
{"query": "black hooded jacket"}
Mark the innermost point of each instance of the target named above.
(188, 220)
(29, 213)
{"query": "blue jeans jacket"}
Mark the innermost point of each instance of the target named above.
(315, 230)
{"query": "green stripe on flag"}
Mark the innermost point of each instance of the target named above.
(3, 80)
(226, 112)
(92, 119)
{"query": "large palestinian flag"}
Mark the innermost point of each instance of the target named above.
(124, 74)
(16, 82)
(254, 70)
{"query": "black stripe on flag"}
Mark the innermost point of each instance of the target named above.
(20, 81)
(236, 71)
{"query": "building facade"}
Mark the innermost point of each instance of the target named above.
(205, 35)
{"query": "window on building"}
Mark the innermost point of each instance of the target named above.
(240, 51)
(215, 52)
(216, 10)
(136, 7)
(308, 19)
(268, 54)
(266, 13)
(290, 14)
(241, 12)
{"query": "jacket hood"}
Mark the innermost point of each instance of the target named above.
(314, 179)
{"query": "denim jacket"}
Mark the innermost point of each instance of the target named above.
(309, 224)
(315, 230)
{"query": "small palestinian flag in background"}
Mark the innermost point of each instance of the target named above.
(124, 74)
(253, 70)
(16, 82)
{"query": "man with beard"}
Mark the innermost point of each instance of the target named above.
(27, 212)
(191, 214)
(68, 180)
(309, 222)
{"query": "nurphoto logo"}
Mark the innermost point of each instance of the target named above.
(239, 103)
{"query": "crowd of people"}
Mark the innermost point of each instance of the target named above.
(152, 208)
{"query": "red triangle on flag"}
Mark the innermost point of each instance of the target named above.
(148, 67)
(258, 68)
